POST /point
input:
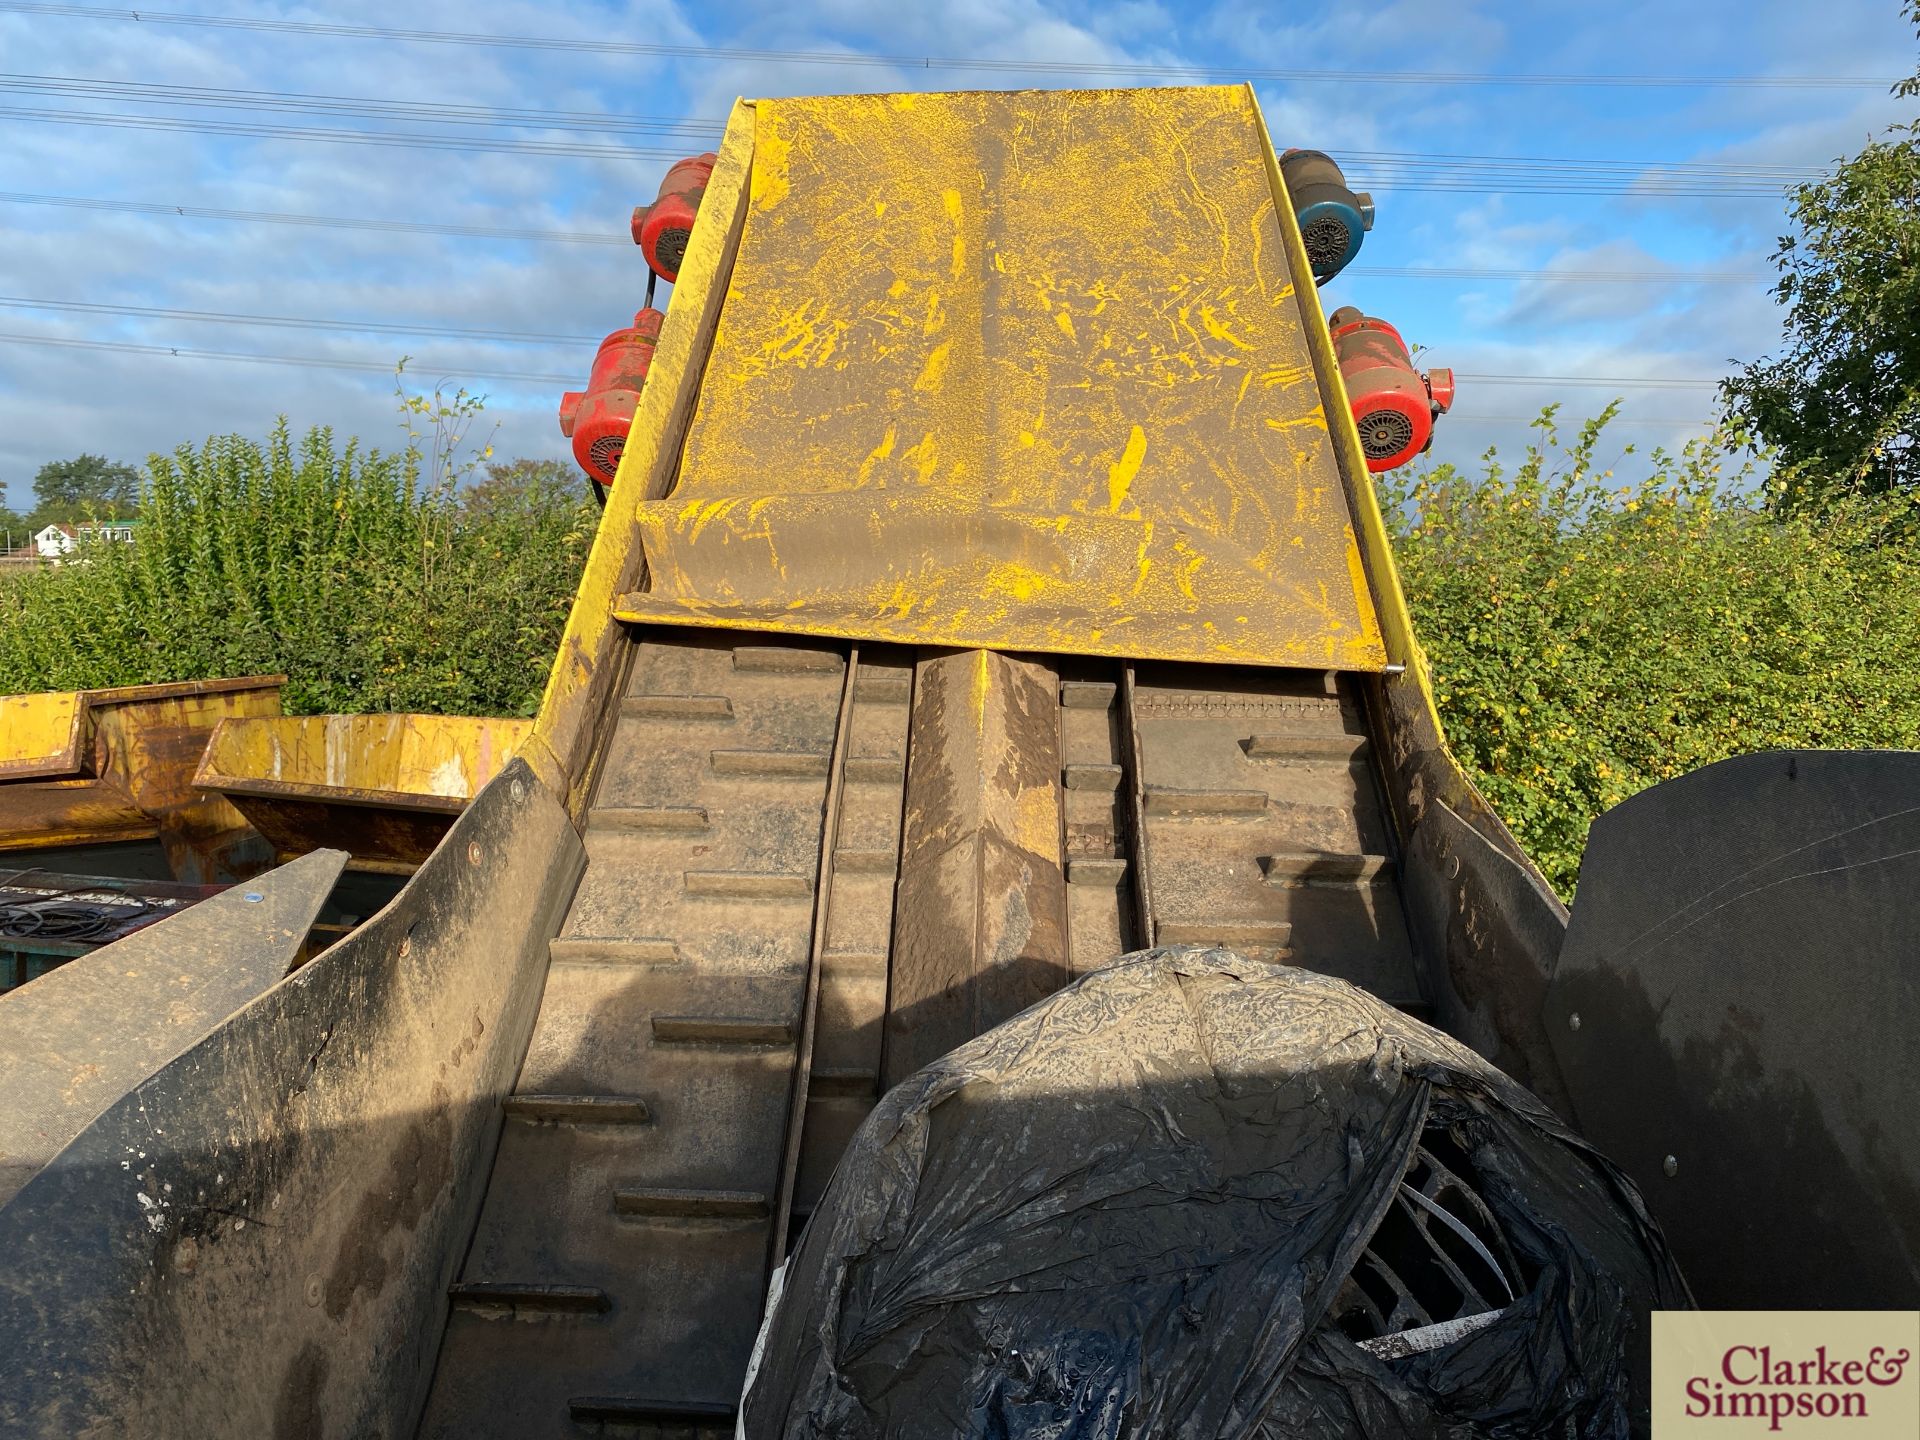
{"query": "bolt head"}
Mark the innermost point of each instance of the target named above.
(1573, 1021)
(1671, 1165)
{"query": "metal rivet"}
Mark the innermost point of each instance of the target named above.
(253, 897)
(1573, 1021)
(1671, 1165)
(473, 853)
(314, 1289)
(1453, 867)
(518, 789)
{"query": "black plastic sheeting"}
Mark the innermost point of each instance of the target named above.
(1131, 1210)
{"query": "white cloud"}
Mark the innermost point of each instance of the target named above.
(54, 402)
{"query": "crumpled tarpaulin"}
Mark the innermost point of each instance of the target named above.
(1133, 1210)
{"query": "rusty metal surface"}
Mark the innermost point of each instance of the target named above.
(78, 1039)
(128, 773)
(257, 1240)
(382, 787)
(980, 919)
(1025, 370)
(436, 762)
(1741, 963)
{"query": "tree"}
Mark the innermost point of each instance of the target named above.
(1842, 405)
(84, 488)
(523, 484)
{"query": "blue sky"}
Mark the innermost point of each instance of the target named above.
(1503, 212)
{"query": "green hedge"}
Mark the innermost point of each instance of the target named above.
(1590, 639)
(370, 590)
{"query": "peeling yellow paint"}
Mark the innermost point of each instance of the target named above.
(1120, 474)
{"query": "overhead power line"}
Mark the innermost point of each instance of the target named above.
(132, 92)
(1459, 416)
(1416, 173)
(403, 139)
(1464, 272)
(1426, 163)
(294, 322)
(617, 236)
(311, 361)
(1609, 382)
(928, 62)
(611, 236)
(1621, 382)
(1387, 169)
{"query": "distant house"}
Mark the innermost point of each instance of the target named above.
(60, 538)
(55, 541)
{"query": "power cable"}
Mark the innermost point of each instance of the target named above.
(294, 322)
(928, 62)
(393, 138)
(305, 361)
(143, 93)
(614, 236)
(1602, 381)
(1423, 163)
(620, 238)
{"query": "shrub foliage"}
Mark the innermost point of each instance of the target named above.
(1590, 639)
(371, 588)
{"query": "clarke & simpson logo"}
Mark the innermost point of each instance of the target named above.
(1807, 1373)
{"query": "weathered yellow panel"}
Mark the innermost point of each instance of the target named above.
(391, 758)
(40, 734)
(1025, 371)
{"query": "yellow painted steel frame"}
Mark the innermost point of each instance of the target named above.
(560, 749)
(1389, 600)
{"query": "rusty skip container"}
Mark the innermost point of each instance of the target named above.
(384, 788)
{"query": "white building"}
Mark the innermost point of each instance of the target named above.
(60, 539)
(55, 541)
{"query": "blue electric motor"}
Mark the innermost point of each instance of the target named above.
(1333, 220)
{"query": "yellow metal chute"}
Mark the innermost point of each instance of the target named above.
(1027, 371)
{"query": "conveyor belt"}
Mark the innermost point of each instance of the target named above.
(617, 1271)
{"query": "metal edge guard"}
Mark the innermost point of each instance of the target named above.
(560, 748)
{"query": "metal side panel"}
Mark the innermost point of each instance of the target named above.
(80, 1038)
(258, 1239)
(1736, 1011)
(1031, 372)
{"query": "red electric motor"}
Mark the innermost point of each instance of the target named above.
(662, 228)
(1393, 404)
(598, 418)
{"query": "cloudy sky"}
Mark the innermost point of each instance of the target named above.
(1589, 224)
